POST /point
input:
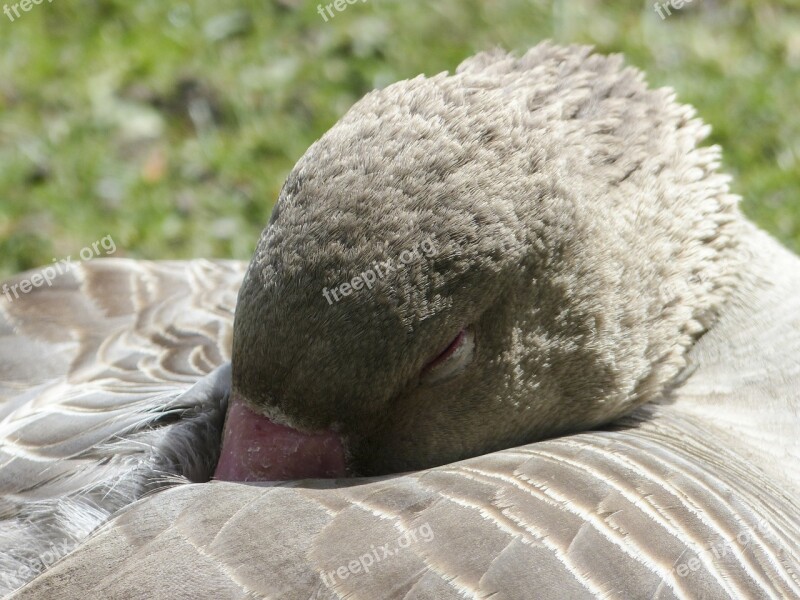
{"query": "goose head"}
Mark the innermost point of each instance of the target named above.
(469, 262)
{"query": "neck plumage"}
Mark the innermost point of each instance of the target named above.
(744, 374)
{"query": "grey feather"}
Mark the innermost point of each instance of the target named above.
(663, 336)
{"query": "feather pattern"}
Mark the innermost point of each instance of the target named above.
(664, 505)
(114, 381)
(629, 513)
(97, 370)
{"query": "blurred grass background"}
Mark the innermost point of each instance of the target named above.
(171, 126)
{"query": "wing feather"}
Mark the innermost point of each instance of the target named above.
(101, 384)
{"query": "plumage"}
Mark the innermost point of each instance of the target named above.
(641, 313)
(95, 371)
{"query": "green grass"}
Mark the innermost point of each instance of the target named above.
(171, 127)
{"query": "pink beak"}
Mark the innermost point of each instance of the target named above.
(254, 448)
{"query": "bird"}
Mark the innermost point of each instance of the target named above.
(506, 334)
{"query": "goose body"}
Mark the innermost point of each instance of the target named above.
(682, 483)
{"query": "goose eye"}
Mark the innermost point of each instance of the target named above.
(452, 360)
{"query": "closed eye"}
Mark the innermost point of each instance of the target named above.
(452, 360)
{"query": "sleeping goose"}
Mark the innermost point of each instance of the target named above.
(505, 335)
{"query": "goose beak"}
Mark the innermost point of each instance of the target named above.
(255, 448)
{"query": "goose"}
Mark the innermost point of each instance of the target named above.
(506, 334)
